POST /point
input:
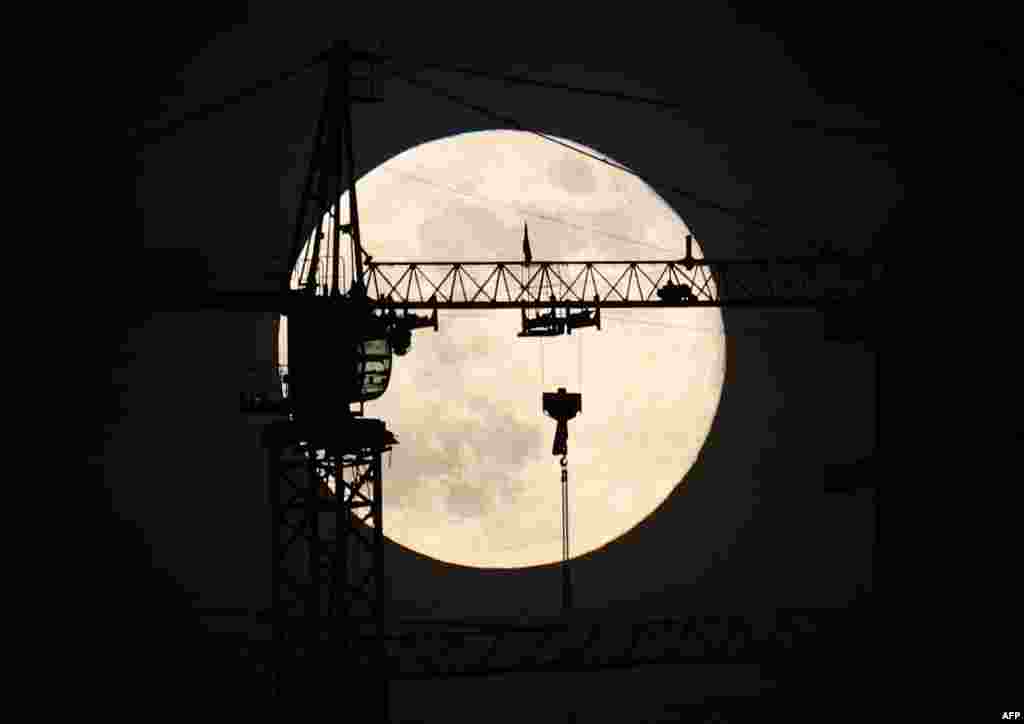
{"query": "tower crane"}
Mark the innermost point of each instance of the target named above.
(324, 456)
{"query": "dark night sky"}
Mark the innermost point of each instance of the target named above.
(755, 533)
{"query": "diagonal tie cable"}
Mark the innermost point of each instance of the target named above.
(509, 121)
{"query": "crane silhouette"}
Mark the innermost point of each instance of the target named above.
(324, 456)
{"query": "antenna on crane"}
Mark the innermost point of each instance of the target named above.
(551, 323)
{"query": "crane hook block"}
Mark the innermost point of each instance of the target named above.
(562, 406)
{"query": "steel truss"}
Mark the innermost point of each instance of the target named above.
(328, 593)
(756, 282)
(812, 282)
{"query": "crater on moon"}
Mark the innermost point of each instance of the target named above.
(462, 230)
(573, 175)
(467, 501)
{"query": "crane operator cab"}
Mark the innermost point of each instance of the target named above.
(332, 365)
(339, 359)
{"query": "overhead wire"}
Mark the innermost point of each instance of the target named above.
(861, 133)
(207, 109)
(158, 132)
(579, 363)
(152, 134)
(526, 211)
(509, 121)
(525, 80)
(664, 325)
(610, 316)
(155, 133)
(617, 319)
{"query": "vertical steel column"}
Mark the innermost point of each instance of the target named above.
(566, 572)
(338, 102)
(340, 565)
(344, 60)
(272, 457)
(298, 235)
(311, 629)
(378, 531)
(379, 653)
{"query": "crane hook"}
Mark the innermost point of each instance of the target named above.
(564, 462)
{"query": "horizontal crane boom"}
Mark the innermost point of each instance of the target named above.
(783, 282)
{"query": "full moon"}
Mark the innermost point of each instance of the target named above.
(472, 481)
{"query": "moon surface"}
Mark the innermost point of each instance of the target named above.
(472, 481)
